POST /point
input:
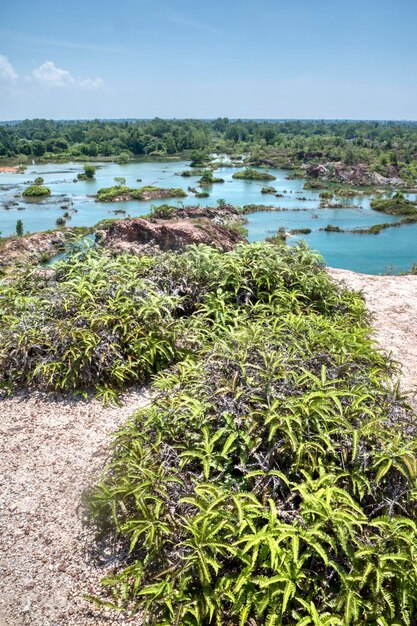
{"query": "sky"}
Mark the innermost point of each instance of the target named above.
(327, 59)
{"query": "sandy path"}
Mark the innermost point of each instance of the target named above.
(392, 301)
(50, 451)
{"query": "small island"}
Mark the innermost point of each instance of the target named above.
(397, 205)
(120, 193)
(251, 174)
(36, 191)
(88, 174)
(209, 179)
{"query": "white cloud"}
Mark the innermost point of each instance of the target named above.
(7, 71)
(92, 83)
(49, 75)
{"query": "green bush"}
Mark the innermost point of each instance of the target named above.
(36, 191)
(397, 205)
(271, 481)
(251, 174)
(109, 194)
(89, 172)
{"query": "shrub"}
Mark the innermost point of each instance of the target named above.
(36, 191)
(88, 174)
(397, 205)
(19, 228)
(272, 480)
(251, 174)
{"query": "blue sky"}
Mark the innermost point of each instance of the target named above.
(188, 58)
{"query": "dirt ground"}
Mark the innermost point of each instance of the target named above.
(52, 449)
(50, 452)
(392, 301)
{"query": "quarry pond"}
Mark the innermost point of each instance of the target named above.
(392, 250)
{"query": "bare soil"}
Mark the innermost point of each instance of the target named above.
(392, 301)
(51, 451)
(8, 169)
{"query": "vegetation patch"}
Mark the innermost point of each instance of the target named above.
(119, 193)
(251, 174)
(268, 190)
(272, 480)
(36, 191)
(88, 174)
(208, 178)
(397, 205)
(332, 229)
(300, 231)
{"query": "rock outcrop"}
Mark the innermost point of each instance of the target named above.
(138, 235)
(359, 174)
(32, 249)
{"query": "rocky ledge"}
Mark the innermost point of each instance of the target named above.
(353, 175)
(137, 235)
(32, 249)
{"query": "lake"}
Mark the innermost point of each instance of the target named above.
(392, 250)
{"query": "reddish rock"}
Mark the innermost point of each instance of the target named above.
(359, 174)
(133, 234)
(32, 248)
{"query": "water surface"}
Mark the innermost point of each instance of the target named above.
(393, 249)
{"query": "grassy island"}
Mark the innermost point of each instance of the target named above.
(208, 178)
(251, 174)
(119, 193)
(397, 205)
(36, 191)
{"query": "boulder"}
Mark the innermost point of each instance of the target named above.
(137, 235)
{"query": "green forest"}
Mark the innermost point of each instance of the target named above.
(387, 147)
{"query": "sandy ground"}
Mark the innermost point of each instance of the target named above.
(392, 300)
(52, 449)
(9, 169)
(50, 452)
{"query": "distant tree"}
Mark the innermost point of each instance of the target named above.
(89, 170)
(38, 148)
(19, 228)
(393, 158)
(123, 158)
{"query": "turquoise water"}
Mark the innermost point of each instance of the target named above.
(393, 249)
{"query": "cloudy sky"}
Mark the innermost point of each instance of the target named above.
(189, 58)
